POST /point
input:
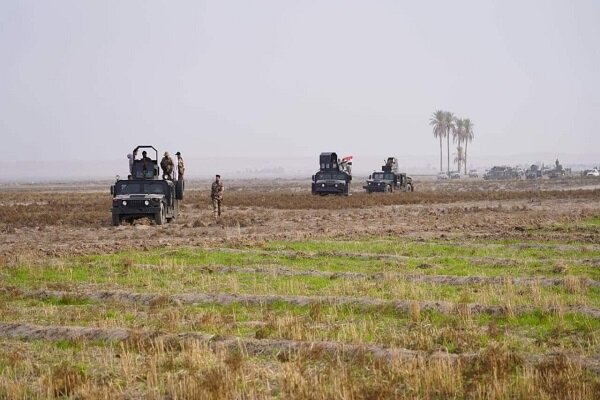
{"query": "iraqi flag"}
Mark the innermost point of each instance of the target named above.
(347, 159)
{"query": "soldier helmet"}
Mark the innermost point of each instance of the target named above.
(218, 176)
(166, 153)
(178, 154)
(144, 153)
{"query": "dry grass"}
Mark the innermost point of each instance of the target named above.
(302, 325)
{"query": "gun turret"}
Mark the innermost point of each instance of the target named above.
(144, 167)
(391, 165)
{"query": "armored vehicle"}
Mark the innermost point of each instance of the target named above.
(558, 171)
(502, 173)
(533, 172)
(389, 179)
(473, 173)
(145, 194)
(334, 176)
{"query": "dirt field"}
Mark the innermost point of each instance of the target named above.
(462, 289)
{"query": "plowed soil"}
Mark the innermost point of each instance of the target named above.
(39, 221)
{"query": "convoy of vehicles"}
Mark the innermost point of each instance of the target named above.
(145, 194)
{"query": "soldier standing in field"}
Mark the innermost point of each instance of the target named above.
(216, 194)
(180, 166)
(167, 165)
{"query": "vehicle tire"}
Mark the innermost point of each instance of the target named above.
(159, 217)
(388, 188)
(179, 188)
(116, 220)
(409, 187)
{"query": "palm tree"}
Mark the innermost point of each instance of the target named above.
(450, 128)
(467, 136)
(438, 122)
(458, 136)
(459, 157)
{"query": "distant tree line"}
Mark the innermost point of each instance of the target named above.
(446, 124)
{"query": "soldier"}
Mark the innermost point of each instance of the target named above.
(216, 194)
(130, 158)
(180, 166)
(146, 162)
(167, 165)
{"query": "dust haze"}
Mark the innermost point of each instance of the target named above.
(259, 88)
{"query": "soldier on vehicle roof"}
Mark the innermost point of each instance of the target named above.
(146, 161)
(167, 165)
(180, 166)
(216, 194)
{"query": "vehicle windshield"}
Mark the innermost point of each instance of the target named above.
(137, 187)
(331, 176)
(383, 175)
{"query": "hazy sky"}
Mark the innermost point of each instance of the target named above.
(91, 79)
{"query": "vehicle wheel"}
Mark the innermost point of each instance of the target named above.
(388, 189)
(116, 220)
(159, 217)
(409, 187)
(179, 187)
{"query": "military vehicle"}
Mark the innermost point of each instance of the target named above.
(591, 172)
(473, 173)
(334, 175)
(533, 172)
(558, 171)
(502, 173)
(145, 194)
(389, 179)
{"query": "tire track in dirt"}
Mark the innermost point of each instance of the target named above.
(282, 348)
(365, 303)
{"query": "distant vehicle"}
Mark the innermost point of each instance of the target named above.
(389, 179)
(557, 172)
(533, 172)
(473, 173)
(442, 176)
(144, 194)
(334, 175)
(593, 172)
(454, 175)
(502, 173)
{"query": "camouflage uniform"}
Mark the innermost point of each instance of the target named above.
(180, 168)
(216, 194)
(167, 165)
